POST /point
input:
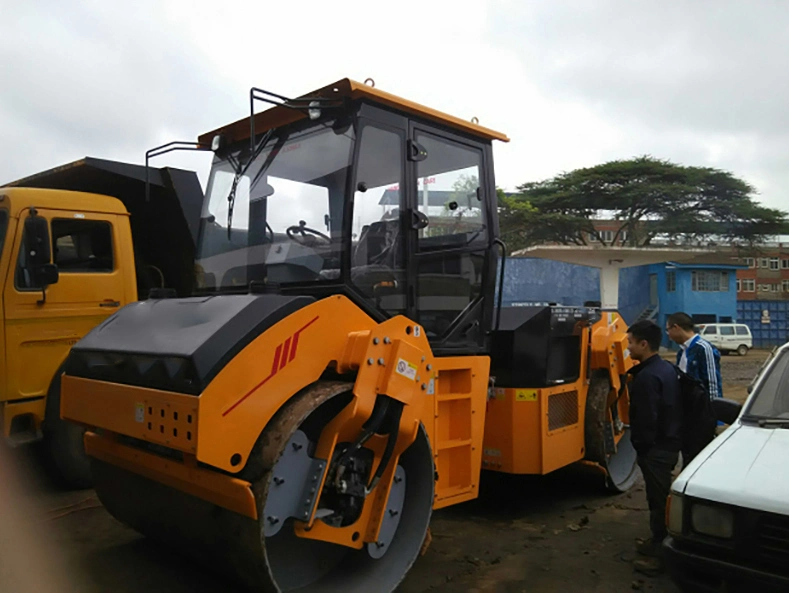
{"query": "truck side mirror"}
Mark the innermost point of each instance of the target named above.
(38, 253)
(37, 246)
(46, 274)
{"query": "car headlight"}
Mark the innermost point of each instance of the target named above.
(715, 521)
(674, 513)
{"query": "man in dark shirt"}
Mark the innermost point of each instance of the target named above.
(655, 423)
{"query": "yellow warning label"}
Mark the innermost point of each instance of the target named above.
(526, 395)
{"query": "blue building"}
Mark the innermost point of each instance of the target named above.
(704, 288)
(535, 280)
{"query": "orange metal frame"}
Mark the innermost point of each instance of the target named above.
(220, 427)
(518, 438)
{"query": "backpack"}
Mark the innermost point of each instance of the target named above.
(698, 418)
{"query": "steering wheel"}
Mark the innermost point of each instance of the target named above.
(305, 235)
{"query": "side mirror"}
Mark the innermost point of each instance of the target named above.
(38, 253)
(726, 410)
(46, 274)
(37, 248)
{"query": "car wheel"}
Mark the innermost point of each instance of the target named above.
(742, 350)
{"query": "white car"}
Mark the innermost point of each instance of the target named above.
(728, 337)
(728, 513)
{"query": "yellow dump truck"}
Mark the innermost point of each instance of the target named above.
(343, 367)
(68, 260)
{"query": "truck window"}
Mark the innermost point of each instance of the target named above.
(82, 246)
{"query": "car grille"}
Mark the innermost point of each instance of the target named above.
(772, 538)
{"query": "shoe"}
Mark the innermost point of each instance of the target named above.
(650, 567)
(648, 547)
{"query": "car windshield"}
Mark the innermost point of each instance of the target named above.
(772, 398)
(285, 224)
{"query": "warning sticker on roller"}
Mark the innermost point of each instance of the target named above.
(526, 395)
(406, 369)
(139, 412)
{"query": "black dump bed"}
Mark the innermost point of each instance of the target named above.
(164, 229)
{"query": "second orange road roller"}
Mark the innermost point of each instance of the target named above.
(344, 366)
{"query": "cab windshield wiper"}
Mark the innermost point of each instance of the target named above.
(240, 171)
(771, 422)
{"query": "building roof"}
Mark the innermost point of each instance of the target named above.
(711, 259)
(437, 198)
(605, 257)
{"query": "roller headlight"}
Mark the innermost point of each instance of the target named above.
(715, 521)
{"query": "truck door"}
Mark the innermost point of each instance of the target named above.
(40, 328)
(3, 267)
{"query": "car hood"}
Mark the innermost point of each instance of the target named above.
(746, 467)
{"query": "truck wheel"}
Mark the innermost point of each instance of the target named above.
(64, 443)
(742, 350)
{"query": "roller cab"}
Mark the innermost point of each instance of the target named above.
(296, 420)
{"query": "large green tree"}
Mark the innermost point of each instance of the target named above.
(647, 199)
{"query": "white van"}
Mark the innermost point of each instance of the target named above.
(728, 512)
(728, 337)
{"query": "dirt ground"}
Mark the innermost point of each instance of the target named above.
(535, 534)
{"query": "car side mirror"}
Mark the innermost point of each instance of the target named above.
(726, 410)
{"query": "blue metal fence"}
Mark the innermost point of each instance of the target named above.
(768, 320)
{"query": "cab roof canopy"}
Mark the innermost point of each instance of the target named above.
(351, 90)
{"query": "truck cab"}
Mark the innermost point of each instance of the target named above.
(69, 260)
(87, 242)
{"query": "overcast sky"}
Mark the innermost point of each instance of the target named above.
(573, 83)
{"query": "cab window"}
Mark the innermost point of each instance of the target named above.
(727, 330)
(710, 331)
(82, 246)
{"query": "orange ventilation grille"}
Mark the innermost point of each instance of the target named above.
(170, 424)
(562, 410)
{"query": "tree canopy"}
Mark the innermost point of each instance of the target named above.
(644, 199)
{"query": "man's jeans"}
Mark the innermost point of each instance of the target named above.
(656, 466)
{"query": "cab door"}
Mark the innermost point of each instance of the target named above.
(42, 325)
(453, 271)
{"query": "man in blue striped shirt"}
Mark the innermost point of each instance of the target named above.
(697, 357)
